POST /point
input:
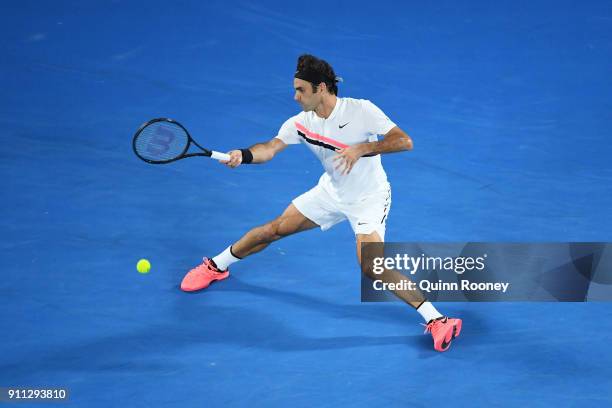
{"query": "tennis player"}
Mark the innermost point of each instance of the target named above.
(343, 134)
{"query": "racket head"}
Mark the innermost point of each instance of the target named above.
(160, 141)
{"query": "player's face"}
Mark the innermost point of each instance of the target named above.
(304, 95)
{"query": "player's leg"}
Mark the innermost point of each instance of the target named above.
(443, 329)
(289, 222)
(368, 219)
(413, 297)
(311, 209)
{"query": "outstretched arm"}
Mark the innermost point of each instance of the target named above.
(262, 152)
(396, 140)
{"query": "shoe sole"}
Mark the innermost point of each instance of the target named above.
(209, 283)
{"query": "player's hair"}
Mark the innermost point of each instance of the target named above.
(310, 63)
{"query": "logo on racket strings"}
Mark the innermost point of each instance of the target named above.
(160, 143)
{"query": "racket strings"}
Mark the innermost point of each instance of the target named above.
(161, 141)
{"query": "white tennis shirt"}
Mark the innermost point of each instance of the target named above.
(351, 122)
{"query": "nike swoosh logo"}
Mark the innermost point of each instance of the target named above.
(341, 126)
(361, 223)
(444, 343)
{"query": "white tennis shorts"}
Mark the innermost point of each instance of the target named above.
(366, 214)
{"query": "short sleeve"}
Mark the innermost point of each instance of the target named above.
(288, 132)
(375, 120)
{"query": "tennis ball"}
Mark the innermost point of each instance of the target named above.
(143, 266)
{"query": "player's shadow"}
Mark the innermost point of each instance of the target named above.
(195, 326)
(380, 312)
(475, 324)
(200, 322)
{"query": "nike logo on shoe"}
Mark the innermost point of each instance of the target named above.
(341, 126)
(444, 343)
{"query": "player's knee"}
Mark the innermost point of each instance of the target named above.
(269, 232)
(265, 233)
(368, 271)
(366, 264)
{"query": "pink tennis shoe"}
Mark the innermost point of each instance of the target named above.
(202, 276)
(443, 330)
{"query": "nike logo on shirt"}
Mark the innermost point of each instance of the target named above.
(341, 126)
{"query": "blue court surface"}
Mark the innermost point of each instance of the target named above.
(509, 106)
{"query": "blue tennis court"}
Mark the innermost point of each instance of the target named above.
(509, 109)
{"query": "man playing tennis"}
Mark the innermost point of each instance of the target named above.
(343, 134)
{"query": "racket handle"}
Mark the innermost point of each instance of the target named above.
(220, 156)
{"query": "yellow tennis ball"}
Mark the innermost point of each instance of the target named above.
(143, 266)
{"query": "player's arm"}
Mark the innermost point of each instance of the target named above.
(260, 152)
(396, 140)
(263, 152)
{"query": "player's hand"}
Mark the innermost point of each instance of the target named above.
(235, 159)
(347, 158)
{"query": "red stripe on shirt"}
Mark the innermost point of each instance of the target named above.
(317, 136)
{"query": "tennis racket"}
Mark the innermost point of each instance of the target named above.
(162, 140)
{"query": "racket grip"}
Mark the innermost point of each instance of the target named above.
(220, 156)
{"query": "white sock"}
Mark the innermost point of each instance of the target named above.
(428, 311)
(225, 259)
